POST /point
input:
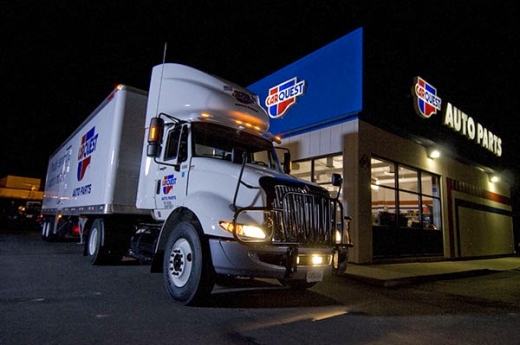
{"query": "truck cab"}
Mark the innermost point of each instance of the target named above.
(186, 177)
(211, 177)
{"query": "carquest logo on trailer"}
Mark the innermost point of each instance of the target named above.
(87, 147)
(282, 96)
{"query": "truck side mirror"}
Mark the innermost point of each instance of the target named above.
(182, 156)
(237, 155)
(155, 135)
(337, 180)
(287, 162)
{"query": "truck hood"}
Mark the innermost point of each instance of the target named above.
(221, 177)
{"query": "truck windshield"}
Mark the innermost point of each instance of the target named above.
(213, 140)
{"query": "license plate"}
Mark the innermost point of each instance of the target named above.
(314, 275)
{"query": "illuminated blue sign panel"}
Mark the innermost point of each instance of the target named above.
(323, 87)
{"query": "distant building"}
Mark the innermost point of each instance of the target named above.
(20, 201)
(17, 187)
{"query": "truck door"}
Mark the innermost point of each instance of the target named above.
(172, 175)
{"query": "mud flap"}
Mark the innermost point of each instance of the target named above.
(157, 262)
(291, 265)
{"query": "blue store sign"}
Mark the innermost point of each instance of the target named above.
(323, 87)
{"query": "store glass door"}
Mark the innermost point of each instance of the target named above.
(406, 211)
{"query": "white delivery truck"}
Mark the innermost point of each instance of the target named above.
(187, 179)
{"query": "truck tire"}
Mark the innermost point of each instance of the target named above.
(100, 246)
(341, 265)
(47, 228)
(63, 229)
(95, 250)
(188, 273)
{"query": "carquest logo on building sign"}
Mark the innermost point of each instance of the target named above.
(427, 103)
(282, 96)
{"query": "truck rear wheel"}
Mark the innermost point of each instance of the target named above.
(188, 272)
(100, 247)
(95, 250)
(47, 228)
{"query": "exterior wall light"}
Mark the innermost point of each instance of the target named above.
(493, 178)
(433, 153)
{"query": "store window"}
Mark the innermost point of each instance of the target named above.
(319, 170)
(406, 209)
(431, 201)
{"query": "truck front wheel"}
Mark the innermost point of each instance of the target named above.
(188, 272)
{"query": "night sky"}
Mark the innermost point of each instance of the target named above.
(60, 59)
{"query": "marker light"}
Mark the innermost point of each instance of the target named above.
(153, 134)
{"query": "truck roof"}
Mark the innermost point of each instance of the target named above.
(188, 94)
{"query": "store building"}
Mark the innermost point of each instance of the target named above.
(406, 202)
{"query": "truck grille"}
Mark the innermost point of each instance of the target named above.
(303, 215)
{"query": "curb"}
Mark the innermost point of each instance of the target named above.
(398, 282)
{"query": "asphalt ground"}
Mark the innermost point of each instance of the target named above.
(50, 294)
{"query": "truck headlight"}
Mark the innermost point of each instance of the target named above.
(244, 231)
